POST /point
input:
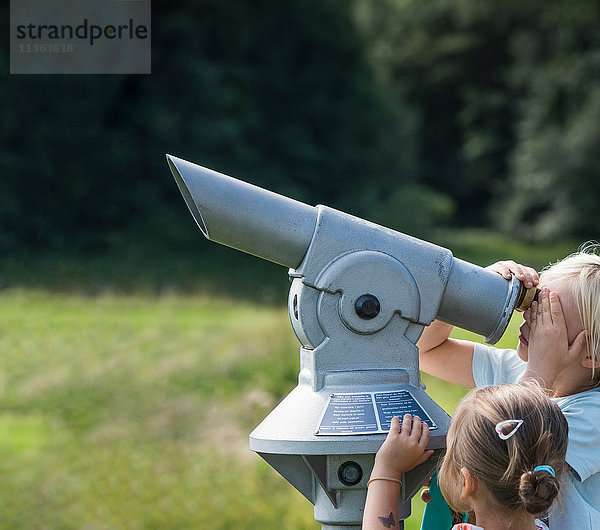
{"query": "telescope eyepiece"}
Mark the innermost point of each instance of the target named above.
(526, 297)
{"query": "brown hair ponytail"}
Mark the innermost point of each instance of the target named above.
(537, 490)
(515, 462)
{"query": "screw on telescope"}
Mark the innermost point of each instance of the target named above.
(367, 306)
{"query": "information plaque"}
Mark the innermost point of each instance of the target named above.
(368, 412)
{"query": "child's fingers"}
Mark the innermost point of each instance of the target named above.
(395, 425)
(533, 315)
(527, 275)
(406, 426)
(424, 438)
(416, 428)
(579, 344)
(423, 458)
(508, 268)
(544, 315)
(556, 312)
(503, 268)
(542, 308)
(531, 277)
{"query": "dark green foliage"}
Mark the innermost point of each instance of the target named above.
(508, 100)
(468, 113)
(453, 59)
(276, 93)
(554, 180)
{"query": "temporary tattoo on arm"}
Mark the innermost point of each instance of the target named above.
(388, 521)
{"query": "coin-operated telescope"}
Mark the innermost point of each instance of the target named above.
(360, 297)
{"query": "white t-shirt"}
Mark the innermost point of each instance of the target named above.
(578, 506)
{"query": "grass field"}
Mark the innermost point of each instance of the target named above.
(128, 390)
(134, 411)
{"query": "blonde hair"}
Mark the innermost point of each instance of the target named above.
(506, 467)
(581, 273)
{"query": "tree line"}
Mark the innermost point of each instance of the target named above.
(417, 115)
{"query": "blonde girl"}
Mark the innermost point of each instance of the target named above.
(559, 346)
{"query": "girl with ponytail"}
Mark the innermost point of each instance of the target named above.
(505, 455)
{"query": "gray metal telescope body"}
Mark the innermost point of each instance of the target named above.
(358, 363)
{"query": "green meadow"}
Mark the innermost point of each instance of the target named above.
(130, 407)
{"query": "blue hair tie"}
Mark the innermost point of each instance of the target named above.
(549, 469)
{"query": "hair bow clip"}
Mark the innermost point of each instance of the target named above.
(506, 436)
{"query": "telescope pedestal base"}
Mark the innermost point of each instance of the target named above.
(332, 472)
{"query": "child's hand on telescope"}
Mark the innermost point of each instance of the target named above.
(508, 268)
(403, 449)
